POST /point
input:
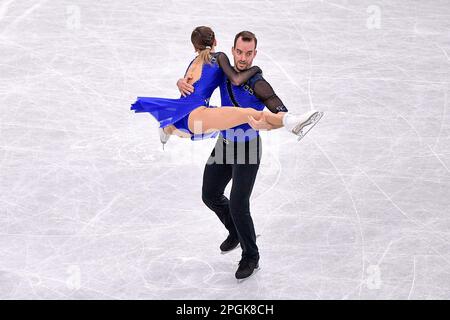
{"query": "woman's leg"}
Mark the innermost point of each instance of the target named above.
(204, 120)
(171, 129)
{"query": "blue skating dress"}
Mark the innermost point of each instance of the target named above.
(176, 111)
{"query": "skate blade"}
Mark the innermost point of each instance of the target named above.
(310, 124)
(250, 276)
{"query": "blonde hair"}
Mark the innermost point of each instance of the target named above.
(205, 55)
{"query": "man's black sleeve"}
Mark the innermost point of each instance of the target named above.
(264, 92)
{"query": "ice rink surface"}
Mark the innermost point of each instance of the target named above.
(92, 208)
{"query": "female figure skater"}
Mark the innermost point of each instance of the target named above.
(191, 115)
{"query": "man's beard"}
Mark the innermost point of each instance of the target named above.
(241, 67)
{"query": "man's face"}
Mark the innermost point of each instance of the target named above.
(243, 53)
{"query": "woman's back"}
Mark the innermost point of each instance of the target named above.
(205, 77)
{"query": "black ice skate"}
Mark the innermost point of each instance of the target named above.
(246, 268)
(229, 244)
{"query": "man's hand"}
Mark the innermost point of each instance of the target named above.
(184, 87)
(260, 124)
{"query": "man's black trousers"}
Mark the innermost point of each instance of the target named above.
(237, 161)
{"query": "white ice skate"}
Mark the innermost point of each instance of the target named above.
(300, 125)
(164, 137)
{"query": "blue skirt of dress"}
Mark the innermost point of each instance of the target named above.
(172, 111)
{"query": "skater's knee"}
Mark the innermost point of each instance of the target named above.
(209, 198)
(206, 198)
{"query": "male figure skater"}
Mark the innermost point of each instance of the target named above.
(237, 156)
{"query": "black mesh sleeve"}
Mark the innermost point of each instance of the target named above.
(264, 92)
(236, 78)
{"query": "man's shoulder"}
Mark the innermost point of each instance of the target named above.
(252, 81)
